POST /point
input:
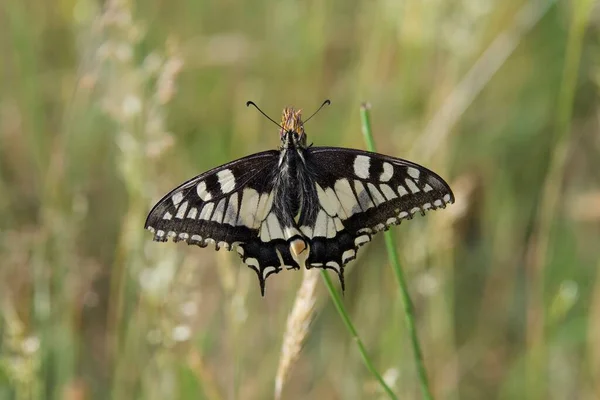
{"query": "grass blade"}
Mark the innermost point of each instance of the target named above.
(337, 301)
(393, 257)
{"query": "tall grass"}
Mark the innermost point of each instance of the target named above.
(106, 106)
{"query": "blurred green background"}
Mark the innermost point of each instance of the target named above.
(106, 106)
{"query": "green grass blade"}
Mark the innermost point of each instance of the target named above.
(337, 301)
(393, 257)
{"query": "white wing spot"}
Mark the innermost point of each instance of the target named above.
(402, 191)
(334, 265)
(265, 235)
(265, 203)
(248, 208)
(388, 192)
(219, 212)
(447, 198)
(321, 224)
(201, 190)
(427, 188)
(334, 201)
(438, 203)
(181, 211)
(363, 196)
(274, 227)
(338, 224)
(268, 270)
(426, 206)
(253, 262)
(240, 250)
(232, 210)
(403, 214)
(193, 213)
(361, 166)
(330, 228)
(306, 231)
(345, 196)
(183, 236)
(206, 211)
(330, 207)
(377, 196)
(414, 210)
(226, 180)
(359, 241)
(388, 172)
(160, 233)
(413, 172)
(167, 216)
(391, 221)
(412, 186)
(197, 237)
(177, 197)
(348, 255)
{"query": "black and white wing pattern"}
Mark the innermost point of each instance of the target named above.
(356, 194)
(298, 205)
(228, 207)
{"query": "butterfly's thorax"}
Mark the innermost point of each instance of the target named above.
(296, 188)
(294, 181)
(294, 184)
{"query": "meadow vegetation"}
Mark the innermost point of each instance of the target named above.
(107, 105)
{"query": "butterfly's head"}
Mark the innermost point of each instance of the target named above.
(292, 129)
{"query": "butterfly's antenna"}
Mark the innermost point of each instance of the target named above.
(325, 103)
(251, 103)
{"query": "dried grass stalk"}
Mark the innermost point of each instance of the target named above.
(298, 325)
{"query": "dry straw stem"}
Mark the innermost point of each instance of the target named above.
(594, 332)
(298, 325)
(203, 374)
(134, 94)
(478, 76)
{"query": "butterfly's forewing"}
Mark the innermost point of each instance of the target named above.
(228, 207)
(358, 193)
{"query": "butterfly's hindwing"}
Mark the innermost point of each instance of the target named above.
(357, 194)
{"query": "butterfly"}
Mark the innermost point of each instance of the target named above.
(298, 205)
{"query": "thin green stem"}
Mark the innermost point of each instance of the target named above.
(393, 258)
(337, 301)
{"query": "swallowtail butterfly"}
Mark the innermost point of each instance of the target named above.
(298, 205)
